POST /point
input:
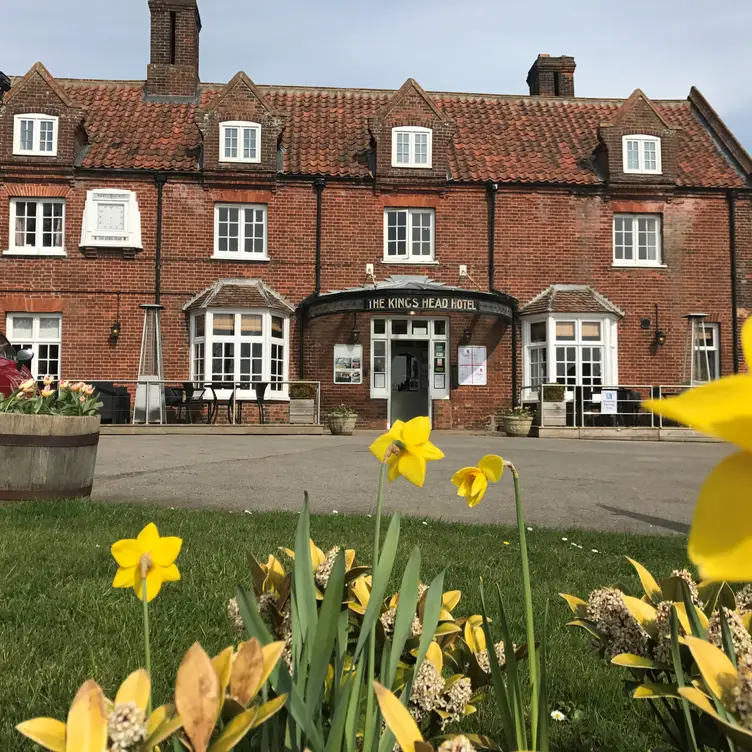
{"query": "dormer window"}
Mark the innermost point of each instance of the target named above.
(239, 142)
(642, 154)
(35, 135)
(411, 146)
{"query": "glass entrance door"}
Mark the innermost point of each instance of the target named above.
(409, 377)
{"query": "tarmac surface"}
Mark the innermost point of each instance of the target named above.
(631, 486)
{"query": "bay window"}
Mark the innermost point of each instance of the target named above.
(569, 349)
(240, 348)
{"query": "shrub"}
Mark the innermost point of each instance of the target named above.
(302, 392)
(517, 412)
(553, 392)
(342, 411)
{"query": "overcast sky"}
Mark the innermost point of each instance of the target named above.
(661, 46)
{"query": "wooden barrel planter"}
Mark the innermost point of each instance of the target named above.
(47, 456)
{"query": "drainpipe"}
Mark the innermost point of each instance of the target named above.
(320, 184)
(731, 198)
(159, 180)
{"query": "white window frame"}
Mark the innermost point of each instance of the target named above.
(641, 141)
(129, 237)
(635, 260)
(36, 150)
(410, 131)
(37, 249)
(241, 126)
(210, 339)
(409, 257)
(241, 254)
(609, 342)
(36, 341)
(712, 351)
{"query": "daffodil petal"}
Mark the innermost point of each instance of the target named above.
(413, 468)
(480, 483)
(474, 499)
(722, 409)
(395, 432)
(47, 732)
(416, 431)
(135, 689)
(720, 542)
(170, 574)
(379, 447)
(126, 552)
(492, 466)
(153, 582)
(459, 477)
(148, 538)
(165, 551)
(431, 451)
(125, 577)
(393, 467)
(86, 730)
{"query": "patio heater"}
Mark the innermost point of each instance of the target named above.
(150, 400)
(696, 358)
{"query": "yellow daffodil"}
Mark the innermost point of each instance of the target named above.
(406, 449)
(720, 541)
(472, 482)
(92, 719)
(148, 559)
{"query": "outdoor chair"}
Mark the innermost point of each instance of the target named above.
(196, 395)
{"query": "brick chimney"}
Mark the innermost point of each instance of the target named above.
(552, 76)
(175, 28)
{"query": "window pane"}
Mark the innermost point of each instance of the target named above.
(537, 366)
(48, 363)
(253, 228)
(379, 326)
(22, 327)
(223, 361)
(199, 325)
(379, 348)
(566, 365)
(421, 148)
(403, 147)
(224, 324)
(421, 222)
(591, 331)
(228, 230)
(45, 135)
(420, 326)
(49, 328)
(249, 143)
(278, 327)
(565, 330)
(198, 361)
(399, 326)
(633, 155)
(538, 332)
(439, 328)
(250, 325)
(231, 143)
(277, 365)
(397, 233)
(27, 135)
(110, 217)
(650, 161)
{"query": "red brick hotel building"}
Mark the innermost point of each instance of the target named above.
(415, 252)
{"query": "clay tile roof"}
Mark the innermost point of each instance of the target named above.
(497, 138)
(570, 299)
(239, 293)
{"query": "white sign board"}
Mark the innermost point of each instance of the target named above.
(348, 364)
(609, 402)
(471, 363)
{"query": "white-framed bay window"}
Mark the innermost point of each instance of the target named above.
(409, 235)
(37, 227)
(239, 142)
(35, 135)
(42, 334)
(241, 347)
(637, 240)
(642, 154)
(112, 219)
(412, 146)
(240, 232)
(569, 349)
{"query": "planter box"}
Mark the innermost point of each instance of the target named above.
(341, 425)
(516, 426)
(554, 414)
(47, 457)
(302, 412)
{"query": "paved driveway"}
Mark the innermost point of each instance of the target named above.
(604, 485)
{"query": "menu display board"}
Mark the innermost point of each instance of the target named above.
(348, 364)
(471, 363)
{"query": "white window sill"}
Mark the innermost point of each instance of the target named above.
(643, 172)
(241, 258)
(21, 252)
(35, 153)
(402, 165)
(410, 262)
(619, 265)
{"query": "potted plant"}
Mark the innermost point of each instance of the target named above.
(517, 421)
(554, 406)
(48, 441)
(302, 404)
(342, 420)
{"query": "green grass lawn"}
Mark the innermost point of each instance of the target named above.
(61, 622)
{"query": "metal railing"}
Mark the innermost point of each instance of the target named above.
(151, 401)
(600, 406)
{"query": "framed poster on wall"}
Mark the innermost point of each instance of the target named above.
(348, 364)
(471, 363)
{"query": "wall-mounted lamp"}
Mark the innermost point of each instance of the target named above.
(355, 335)
(466, 334)
(115, 331)
(660, 338)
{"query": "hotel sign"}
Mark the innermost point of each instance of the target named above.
(421, 303)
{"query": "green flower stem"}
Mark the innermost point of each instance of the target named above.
(371, 725)
(147, 644)
(530, 627)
